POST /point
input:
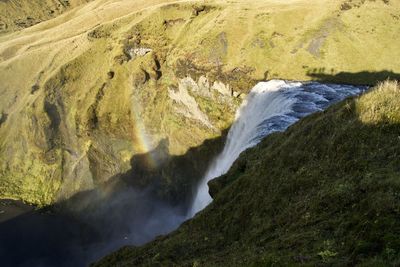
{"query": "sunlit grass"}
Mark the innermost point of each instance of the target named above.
(381, 104)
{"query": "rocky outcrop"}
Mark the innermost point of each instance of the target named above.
(184, 99)
(187, 105)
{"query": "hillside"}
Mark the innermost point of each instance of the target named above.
(19, 14)
(85, 92)
(323, 193)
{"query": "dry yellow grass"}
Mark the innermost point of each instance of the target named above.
(381, 105)
(19, 14)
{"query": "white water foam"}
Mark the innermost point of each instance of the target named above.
(270, 107)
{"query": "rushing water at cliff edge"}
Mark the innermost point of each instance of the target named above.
(270, 107)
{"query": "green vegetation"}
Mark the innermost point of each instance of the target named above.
(323, 193)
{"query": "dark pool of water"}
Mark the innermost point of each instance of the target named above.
(44, 238)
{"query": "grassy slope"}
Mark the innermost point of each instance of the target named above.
(325, 192)
(61, 63)
(276, 36)
(17, 15)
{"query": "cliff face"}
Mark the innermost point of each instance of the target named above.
(85, 92)
(325, 192)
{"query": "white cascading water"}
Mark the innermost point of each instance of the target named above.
(270, 107)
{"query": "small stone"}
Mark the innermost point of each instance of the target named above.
(139, 52)
(111, 75)
(34, 88)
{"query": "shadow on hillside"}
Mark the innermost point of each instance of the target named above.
(359, 78)
(150, 199)
(334, 165)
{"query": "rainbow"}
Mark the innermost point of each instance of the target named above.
(141, 140)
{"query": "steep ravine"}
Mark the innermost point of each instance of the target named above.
(324, 192)
(114, 109)
(132, 208)
(135, 207)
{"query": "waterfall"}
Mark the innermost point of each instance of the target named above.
(270, 107)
